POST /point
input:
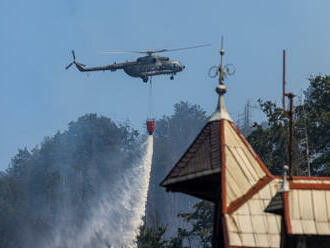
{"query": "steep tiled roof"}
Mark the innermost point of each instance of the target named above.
(250, 226)
(240, 180)
(201, 158)
(307, 207)
(243, 170)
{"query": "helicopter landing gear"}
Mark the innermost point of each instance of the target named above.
(172, 77)
(145, 79)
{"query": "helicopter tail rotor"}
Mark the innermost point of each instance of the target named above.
(74, 61)
(68, 66)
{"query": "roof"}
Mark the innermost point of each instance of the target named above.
(219, 140)
(276, 204)
(247, 189)
(220, 163)
(307, 206)
(244, 174)
(201, 158)
(250, 226)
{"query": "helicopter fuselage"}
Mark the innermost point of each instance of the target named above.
(151, 66)
(143, 67)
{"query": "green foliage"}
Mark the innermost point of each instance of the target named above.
(150, 237)
(317, 107)
(177, 242)
(271, 143)
(313, 115)
(198, 233)
(201, 223)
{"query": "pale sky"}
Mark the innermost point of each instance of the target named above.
(38, 97)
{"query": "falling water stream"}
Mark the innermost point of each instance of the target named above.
(118, 215)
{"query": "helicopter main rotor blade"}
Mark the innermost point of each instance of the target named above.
(73, 55)
(179, 49)
(134, 52)
(157, 51)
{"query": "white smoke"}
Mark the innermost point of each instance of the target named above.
(117, 216)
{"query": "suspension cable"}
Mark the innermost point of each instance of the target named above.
(150, 101)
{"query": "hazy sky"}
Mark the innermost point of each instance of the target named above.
(38, 97)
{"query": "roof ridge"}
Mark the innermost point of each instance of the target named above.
(236, 204)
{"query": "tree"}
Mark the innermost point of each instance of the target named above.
(149, 237)
(317, 114)
(62, 177)
(271, 142)
(200, 223)
(198, 230)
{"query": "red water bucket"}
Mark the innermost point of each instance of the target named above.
(150, 126)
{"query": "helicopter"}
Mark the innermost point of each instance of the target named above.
(144, 67)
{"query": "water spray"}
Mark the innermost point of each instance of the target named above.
(117, 216)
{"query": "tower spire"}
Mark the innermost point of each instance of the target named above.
(222, 53)
(221, 111)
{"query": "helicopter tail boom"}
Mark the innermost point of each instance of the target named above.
(81, 67)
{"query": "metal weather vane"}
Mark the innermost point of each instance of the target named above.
(223, 70)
